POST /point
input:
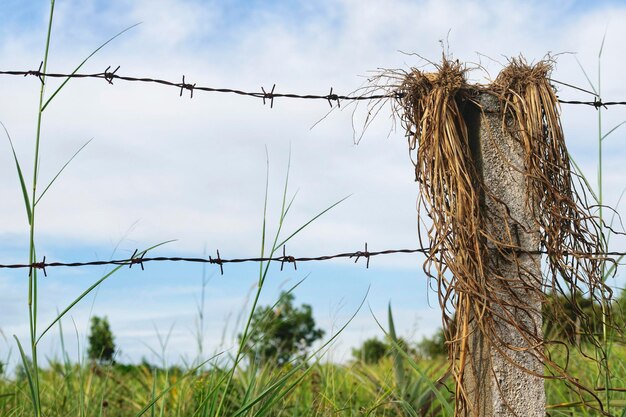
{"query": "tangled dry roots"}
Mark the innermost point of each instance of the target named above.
(571, 235)
(450, 194)
(461, 243)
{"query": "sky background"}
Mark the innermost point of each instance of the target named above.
(164, 167)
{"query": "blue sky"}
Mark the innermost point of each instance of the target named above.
(162, 167)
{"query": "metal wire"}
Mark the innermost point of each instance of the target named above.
(140, 259)
(218, 260)
(265, 95)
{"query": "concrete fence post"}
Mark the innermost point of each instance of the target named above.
(493, 384)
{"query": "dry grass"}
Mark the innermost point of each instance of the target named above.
(462, 246)
(450, 194)
(571, 234)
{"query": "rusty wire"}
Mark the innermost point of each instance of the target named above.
(265, 95)
(218, 260)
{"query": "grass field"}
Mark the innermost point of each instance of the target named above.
(316, 389)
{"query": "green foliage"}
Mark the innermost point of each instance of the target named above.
(619, 310)
(101, 344)
(327, 390)
(374, 350)
(371, 352)
(572, 319)
(281, 332)
(561, 322)
(434, 346)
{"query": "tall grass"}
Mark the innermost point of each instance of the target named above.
(324, 389)
(276, 244)
(31, 199)
(607, 331)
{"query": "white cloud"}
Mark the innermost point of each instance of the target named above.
(194, 169)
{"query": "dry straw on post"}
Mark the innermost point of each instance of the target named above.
(571, 235)
(452, 194)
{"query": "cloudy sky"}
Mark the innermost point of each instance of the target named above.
(164, 167)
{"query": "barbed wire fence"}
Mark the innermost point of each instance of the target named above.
(139, 258)
(267, 95)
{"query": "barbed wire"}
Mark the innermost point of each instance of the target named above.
(265, 95)
(139, 258)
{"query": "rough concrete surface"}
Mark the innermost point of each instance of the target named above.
(493, 383)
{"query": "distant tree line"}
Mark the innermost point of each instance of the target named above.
(561, 321)
(284, 332)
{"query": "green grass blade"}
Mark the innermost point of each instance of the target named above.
(76, 300)
(612, 130)
(66, 360)
(265, 393)
(408, 409)
(91, 288)
(83, 63)
(612, 268)
(593, 87)
(602, 45)
(174, 385)
(267, 407)
(252, 384)
(48, 37)
(398, 363)
(311, 221)
(31, 384)
(154, 382)
(445, 403)
(61, 170)
(290, 203)
(284, 211)
(262, 274)
(342, 328)
(265, 199)
(263, 269)
(211, 396)
(21, 177)
(582, 176)
(272, 390)
(281, 381)
(32, 277)
(619, 200)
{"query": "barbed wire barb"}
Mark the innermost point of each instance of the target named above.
(109, 76)
(217, 261)
(288, 259)
(364, 254)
